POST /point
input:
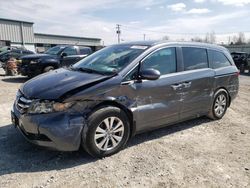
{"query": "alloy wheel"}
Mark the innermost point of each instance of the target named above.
(109, 133)
(220, 105)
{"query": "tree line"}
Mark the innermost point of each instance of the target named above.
(237, 39)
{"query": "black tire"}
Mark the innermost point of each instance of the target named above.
(48, 68)
(213, 114)
(242, 68)
(94, 121)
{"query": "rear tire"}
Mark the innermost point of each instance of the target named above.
(220, 105)
(106, 132)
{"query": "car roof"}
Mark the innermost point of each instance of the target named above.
(162, 42)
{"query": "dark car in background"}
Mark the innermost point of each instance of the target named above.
(13, 53)
(6, 48)
(241, 60)
(53, 58)
(122, 90)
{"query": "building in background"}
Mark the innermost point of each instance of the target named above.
(21, 34)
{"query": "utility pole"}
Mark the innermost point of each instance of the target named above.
(144, 37)
(118, 31)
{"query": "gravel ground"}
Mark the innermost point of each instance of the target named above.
(196, 153)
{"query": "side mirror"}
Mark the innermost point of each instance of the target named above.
(63, 54)
(150, 74)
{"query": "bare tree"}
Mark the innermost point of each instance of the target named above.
(196, 39)
(210, 37)
(240, 39)
(165, 38)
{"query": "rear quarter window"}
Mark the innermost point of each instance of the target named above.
(218, 59)
(194, 58)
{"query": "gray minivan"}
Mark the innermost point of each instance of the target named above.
(122, 90)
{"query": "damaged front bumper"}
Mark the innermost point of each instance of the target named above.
(60, 131)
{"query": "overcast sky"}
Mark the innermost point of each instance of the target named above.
(155, 18)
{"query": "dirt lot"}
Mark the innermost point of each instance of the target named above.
(197, 153)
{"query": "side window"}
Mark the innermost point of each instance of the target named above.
(218, 59)
(84, 51)
(163, 60)
(194, 58)
(27, 52)
(70, 51)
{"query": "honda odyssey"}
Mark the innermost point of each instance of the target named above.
(100, 102)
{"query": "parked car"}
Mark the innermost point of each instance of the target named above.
(56, 57)
(122, 90)
(6, 48)
(241, 60)
(14, 53)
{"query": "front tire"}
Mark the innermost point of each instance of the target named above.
(48, 69)
(106, 132)
(220, 105)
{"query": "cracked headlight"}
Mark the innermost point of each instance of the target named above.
(38, 107)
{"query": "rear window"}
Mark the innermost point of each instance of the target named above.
(218, 59)
(194, 58)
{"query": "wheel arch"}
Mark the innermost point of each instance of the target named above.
(128, 112)
(50, 62)
(228, 94)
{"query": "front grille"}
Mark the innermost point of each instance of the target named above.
(23, 104)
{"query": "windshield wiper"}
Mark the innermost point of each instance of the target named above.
(88, 70)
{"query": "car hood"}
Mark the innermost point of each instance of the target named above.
(56, 84)
(38, 56)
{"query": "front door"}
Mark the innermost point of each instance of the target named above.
(69, 56)
(158, 102)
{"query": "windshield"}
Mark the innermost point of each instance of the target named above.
(53, 51)
(2, 53)
(111, 59)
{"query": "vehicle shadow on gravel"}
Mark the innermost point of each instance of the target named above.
(15, 79)
(158, 133)
(17, 155)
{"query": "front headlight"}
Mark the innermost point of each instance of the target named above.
(38, 107)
